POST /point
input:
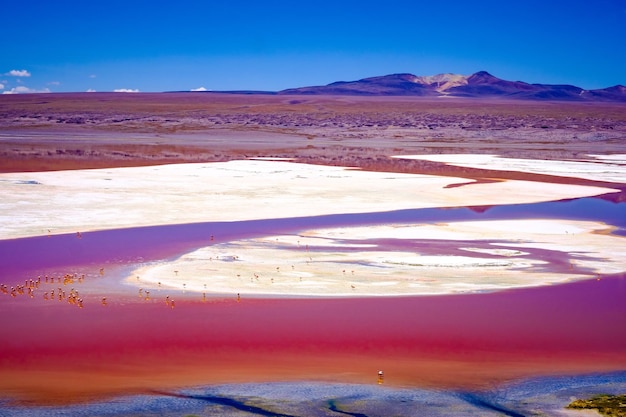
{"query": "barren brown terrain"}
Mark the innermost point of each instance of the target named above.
(74, 131)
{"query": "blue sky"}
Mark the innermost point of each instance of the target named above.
(65, 45)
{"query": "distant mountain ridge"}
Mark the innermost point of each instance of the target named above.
(480, 84)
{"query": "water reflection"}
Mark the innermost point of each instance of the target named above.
(134, 245)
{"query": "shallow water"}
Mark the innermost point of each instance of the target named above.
(51, 348)
(23, 258)
(538, 396)
(445, 341)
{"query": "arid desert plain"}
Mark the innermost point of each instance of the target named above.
(277, 255)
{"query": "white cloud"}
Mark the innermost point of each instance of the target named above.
(91, 90)
(199, 89)
(125, 90)
(24, 90)
(1, 86)
(92, 76)
(18, 73)
(54, 83)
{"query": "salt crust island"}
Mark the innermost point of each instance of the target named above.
(347, 261)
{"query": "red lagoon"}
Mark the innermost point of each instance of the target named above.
(55, 351)
(63, 350)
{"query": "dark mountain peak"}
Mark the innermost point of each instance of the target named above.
(617, 89)
(384, 79)
(482, 74)
(615, 93)
(401, 84)
(405, 76)
(482, 77)
(480, 84)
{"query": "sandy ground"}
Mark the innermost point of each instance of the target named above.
(74, 131)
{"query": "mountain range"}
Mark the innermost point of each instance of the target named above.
(480, 84)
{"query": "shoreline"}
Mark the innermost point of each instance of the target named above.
(524, 397)
(345, 242)
(119, 339)
(103, 351)
(464, 343)
(81, 201)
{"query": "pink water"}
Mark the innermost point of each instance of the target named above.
(52, 350)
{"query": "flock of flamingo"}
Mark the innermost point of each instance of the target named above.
(54, 291)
